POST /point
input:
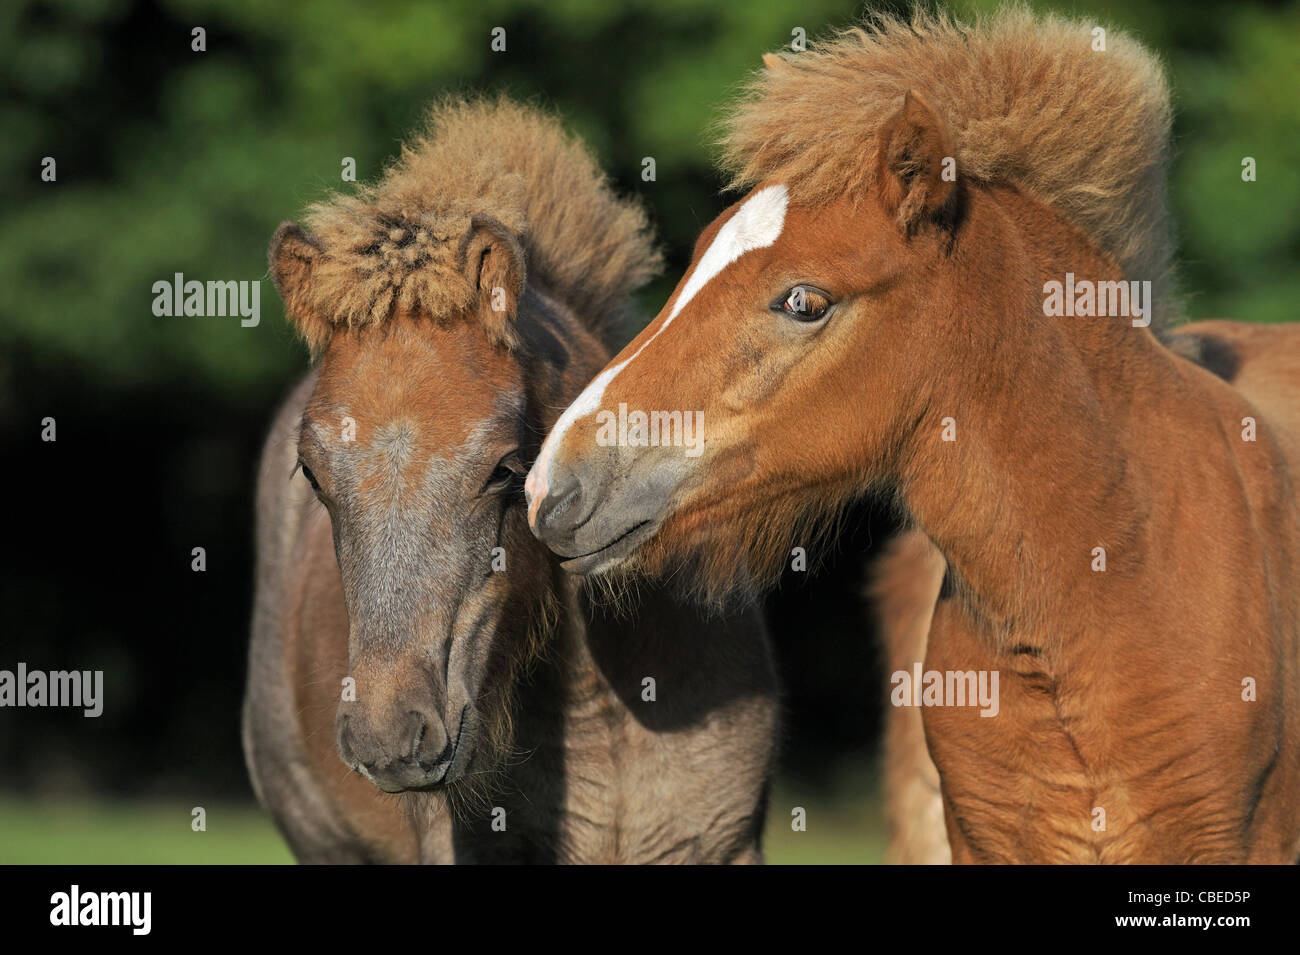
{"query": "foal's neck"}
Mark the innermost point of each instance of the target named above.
(1061, 464)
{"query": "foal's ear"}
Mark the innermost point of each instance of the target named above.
(493, 260)
(916, 166)
(291, 257)
(775, 64)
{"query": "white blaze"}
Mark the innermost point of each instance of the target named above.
(756, 225)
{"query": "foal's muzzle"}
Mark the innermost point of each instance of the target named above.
(596, 514)
(411, 751)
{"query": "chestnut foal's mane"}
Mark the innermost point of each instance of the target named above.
(1027, 99)
(396, 245)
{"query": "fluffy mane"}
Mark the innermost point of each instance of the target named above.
(395, 243)
(1027, 100)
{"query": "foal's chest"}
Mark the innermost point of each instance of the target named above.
(1085, 761)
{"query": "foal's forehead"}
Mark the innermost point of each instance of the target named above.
(756, 222)
(435, 392)
(839, 244)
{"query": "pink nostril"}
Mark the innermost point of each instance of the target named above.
(535, 492)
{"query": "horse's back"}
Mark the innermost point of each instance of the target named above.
(297, 660)
(1262, 362)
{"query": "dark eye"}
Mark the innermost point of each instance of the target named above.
(803, 303)
(507, 474)
(311, 478)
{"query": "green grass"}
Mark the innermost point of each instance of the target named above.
(845, 829)
(844, 823)
(134, 833)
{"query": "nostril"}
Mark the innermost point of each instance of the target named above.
(426, 738)
(560, 509)
(419, 736)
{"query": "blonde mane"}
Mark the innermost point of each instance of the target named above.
(396, 244)
(1026, 97)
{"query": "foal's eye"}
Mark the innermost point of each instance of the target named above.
(803, 303)
(311, 478)
(508, 472)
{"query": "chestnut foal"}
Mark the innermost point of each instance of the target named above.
(1116, 526)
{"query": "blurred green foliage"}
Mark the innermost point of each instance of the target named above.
(173, 160)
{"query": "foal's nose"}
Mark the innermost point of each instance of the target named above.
(595, 509)
(408, 751)
(557, 509)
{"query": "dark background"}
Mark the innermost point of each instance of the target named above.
(171, 160)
